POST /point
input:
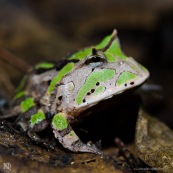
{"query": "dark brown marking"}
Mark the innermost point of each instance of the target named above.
(60, 98)
(88, 93)
(97, 83)
(92, 90)
(49, 115)
(66, 131)
(48, 82)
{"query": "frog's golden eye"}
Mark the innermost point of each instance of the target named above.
(96, 59)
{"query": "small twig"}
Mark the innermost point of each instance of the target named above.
(133, 162)
(125, 153)
(14, 61)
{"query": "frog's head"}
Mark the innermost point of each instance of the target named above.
(101, 72)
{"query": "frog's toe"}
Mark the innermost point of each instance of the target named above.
(68, 138)
(95, 145)
(80, 146)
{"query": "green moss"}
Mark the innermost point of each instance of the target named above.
(27, 104)
(125, 77)
(92, 79)
(65, 70)
(38, 117)
(59, 121)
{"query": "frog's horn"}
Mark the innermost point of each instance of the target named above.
(112, 38)
(94, 51)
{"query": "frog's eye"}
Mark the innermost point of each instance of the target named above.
(96, 59)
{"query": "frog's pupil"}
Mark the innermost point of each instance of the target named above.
(96, 59)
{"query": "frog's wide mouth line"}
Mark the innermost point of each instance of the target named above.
(103, 104)
(119, 91)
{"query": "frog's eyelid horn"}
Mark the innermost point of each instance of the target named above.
(97, 54)
(113, 37)
(94, 51)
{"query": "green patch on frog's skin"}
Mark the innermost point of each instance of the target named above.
(72, 133)
(113, 50)
(110, 57)
(59, 121)
(143, 68)
(99, 90)
(65, 70)
(125, 77)
(27, 104)
(81, 54)
(38, 117)
(19, 95)
(90, 83)
(21, 85)
(135, 68)
(45, 65)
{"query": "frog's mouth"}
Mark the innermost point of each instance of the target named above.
(111, 93)
(102, 105)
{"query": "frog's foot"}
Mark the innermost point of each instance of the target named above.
(71, 141)
(68, 138)
(32, 132)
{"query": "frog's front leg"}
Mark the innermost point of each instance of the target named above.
(37, 123)
(68, 138)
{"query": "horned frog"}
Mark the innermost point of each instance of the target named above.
(57, 96)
